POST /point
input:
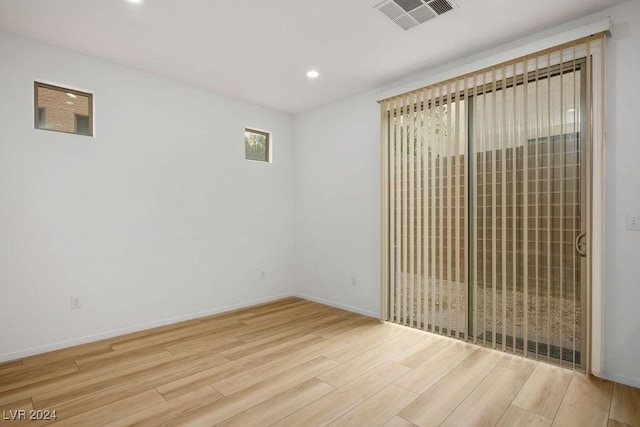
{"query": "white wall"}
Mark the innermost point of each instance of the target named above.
(337, 199)
(337, 209)
(157, 218)
(622, 247)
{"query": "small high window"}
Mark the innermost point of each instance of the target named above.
(256, 145)
(63, 110)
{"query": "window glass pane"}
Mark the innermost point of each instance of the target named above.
(82, 124)
(63, 110)
(256, 145)
(41, 117)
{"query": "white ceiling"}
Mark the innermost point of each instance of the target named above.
(260, 50)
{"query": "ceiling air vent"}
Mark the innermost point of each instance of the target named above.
(410, 13)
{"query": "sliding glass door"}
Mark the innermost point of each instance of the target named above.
(486, 190)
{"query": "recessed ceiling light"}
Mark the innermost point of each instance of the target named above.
(312, 74)
(135, 1)
(70, 95)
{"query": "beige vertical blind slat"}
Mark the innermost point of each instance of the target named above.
(445, 185)
(513, 138)
(391, 182)
(548, 190)
(405, 203)
(438, 214)
(460, 203)
(455, 202)
(481, 109)
(562, 207)
(588, 118)
(474, 164)
(433, 200)
(503, 214)
(494, 218)
(523, 137)
(398, 209)
(536, 206)
(575, 199)
(384, 223)
(412, 202)
(418, 195)
(425, 209)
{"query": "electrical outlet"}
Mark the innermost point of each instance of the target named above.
(633, 222)
(263, 275)
(353, 281)
(75, 303)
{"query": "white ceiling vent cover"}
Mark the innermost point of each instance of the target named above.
(410, 13)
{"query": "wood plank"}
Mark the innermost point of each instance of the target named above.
(10, 364)
(78, 401)
(353, 368)
(188, 383)
(123, 372)
(210, 344)
(379, 334)
(70, 353)
(516, 416)
(20, 404)
(298, 311)
(111, 412)
(256, 346)
(433, 406)
(231, 406)
(258, 309)
(429, 372)
(339, 401)
(130, 379)
(544, 390)
(278, 407)
(398, 422)
(625, 405)
(168, 411)
(308, 325)
(177, 336)
(422, 350)
(518, 363)
(342, 325)
(614, 423)
(6, 410)
(378, 409)
(282, 355)
(145, 333)
(117, 359)
(19, 379)
(255, 375)
(586, 402)
(489, 401)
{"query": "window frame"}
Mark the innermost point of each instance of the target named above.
(36, 122)
(267, 135)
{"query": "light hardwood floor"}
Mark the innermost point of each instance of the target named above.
(298, 363)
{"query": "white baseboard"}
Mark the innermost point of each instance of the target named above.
(633, 382)
(338, 305)
(117, 332)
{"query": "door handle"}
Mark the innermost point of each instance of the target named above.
(580, 243)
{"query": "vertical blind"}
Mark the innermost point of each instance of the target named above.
(485, 196)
